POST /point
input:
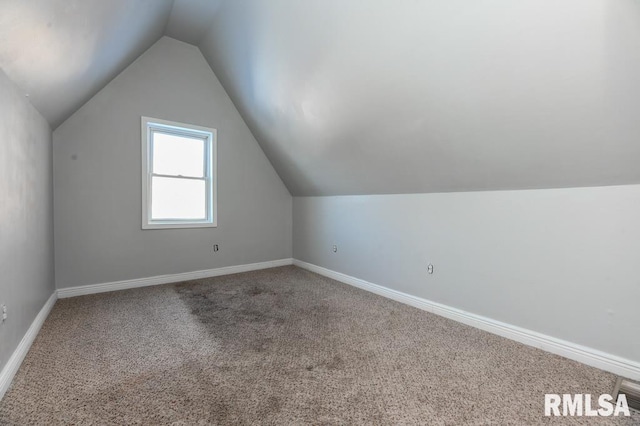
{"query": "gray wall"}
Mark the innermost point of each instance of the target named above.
(97, 165)
(26, 215)
(563, 262)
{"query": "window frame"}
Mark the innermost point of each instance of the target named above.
(209, 135)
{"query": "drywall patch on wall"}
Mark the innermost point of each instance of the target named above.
(560, 262)
(26, 215)
(97, 164)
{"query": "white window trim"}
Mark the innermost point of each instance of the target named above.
(148, 124)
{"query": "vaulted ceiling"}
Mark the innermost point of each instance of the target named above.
(62, 52)
(387, 96)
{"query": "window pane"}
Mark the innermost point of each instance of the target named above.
(175, 198)
(177, 155)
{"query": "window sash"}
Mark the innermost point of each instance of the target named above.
(176, 132)
(207, 210)
(206, 172)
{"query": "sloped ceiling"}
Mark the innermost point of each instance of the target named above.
(383, 96)
(387, 96)
(61, 52)
(190, 19)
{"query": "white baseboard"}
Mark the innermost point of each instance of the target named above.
(593, 357)
(12, 366)
(166, 279)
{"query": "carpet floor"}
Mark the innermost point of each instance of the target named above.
(280, 346)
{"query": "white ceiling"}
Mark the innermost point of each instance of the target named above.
(388, 97)
(440, 95)
(61, 52)
(190, 19)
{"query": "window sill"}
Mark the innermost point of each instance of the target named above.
(173, 225)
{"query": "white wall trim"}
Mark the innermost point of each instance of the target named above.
(13, 365)
(593, 357)
(166, 279)
(210, 136)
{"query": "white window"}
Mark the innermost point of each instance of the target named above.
(178, 175)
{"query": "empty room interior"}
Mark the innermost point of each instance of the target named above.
(319, 212)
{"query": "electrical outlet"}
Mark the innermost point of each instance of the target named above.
(430, 269)
(4, 312)
(215, 247)
(335, 248)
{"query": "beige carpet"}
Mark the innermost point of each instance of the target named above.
(279, 346)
